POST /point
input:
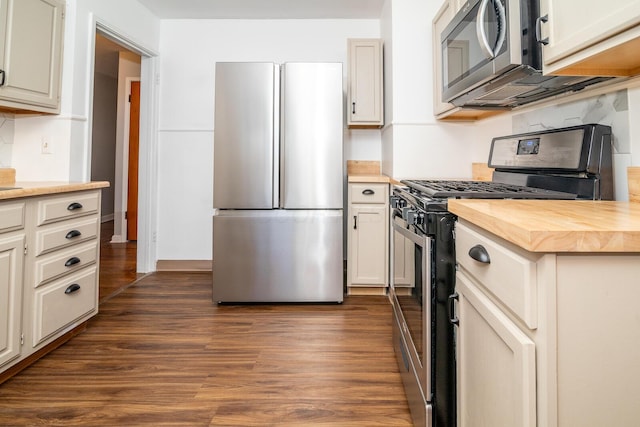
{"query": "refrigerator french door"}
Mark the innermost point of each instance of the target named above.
(277, 225)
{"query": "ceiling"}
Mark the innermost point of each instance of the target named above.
(265, 9)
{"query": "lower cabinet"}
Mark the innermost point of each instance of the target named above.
(545, 339)
(368, 238)
(11, 265)
(496, 364)
(48, 271)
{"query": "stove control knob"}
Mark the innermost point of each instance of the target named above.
(412, 216)
(397, 202)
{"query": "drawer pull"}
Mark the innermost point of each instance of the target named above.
(480, 254)
(72, 288)
(72, 234)
(368, 192)
(74, 206)
(452, 301)
(72, 261)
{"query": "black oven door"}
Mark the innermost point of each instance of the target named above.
(475, 43)
(411, 294)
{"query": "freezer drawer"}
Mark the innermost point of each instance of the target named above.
(277, 256)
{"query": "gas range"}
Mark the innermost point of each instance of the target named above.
(568, 163)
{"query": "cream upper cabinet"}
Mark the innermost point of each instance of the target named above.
(591, 37)
(442, 18)
(368, 237)
(551, 334)
(365, 83)
(31, 54)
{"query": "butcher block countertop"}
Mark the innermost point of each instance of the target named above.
(19, 189)
(366, 171)
(557, 226)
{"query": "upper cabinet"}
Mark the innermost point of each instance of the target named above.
(365, 96)
(591, 38)
(31, 54)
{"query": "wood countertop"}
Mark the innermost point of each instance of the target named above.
(370, 178)
(557, 226)
(19, 189)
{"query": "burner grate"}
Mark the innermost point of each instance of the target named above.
(482, 190)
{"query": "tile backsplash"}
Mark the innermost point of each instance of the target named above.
(6, 140)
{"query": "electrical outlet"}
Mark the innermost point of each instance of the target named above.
(46, 145)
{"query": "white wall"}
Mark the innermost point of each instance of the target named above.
(414, 144)
(190, 49)
(68, 132)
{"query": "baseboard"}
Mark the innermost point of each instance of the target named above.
(107, 218)
(183, 265)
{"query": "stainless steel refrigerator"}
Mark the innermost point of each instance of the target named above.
(278, 182)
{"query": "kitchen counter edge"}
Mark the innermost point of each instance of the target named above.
(28, 189)
(582, 226)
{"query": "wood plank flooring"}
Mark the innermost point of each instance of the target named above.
(160, 353)
(117, 263)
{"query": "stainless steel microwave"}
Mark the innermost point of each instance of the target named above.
(492, 57)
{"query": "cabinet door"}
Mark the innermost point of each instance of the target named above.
(367, 257)
(587, 30)
(496, 365)
(31, 61)
(365, 83)
(442, 18)
(11, 262)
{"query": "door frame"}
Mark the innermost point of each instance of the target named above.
(147, 179)
(125, 160)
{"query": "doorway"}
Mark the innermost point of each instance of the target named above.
(116, 112)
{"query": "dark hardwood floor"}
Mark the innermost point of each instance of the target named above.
(117, 263)
(160, 353)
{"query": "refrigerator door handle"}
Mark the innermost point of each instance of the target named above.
(277, 178)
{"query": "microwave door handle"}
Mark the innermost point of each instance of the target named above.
(483, 38)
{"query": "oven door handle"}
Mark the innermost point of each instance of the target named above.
(415, 238)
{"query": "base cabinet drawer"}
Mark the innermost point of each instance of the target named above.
(52, 266)
(11, 216)
(68, 233)
(63, 302)
(52, 209)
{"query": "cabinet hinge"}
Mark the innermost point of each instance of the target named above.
(25, 249)
(126, 215)
(21, 339)
(129, 98)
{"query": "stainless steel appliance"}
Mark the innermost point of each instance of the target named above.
(569, 163)
(278, 182)
(492, 57)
